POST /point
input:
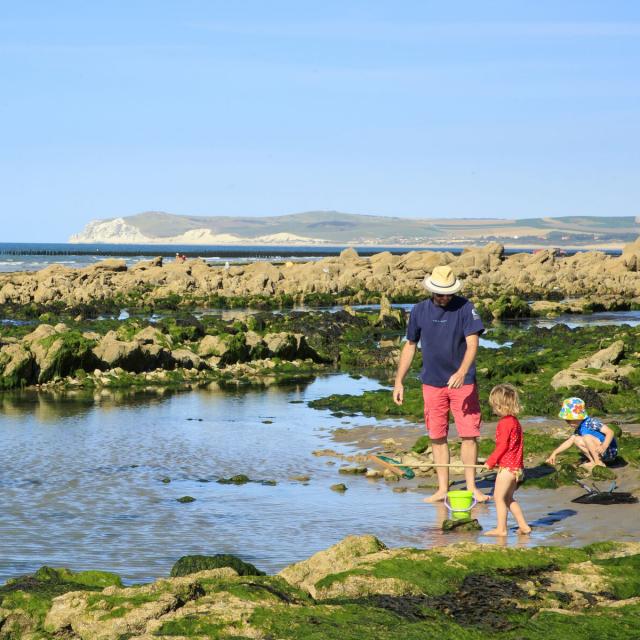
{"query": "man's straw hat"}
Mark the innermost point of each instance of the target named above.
(443, 281)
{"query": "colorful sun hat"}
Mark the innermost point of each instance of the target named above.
(573, 409)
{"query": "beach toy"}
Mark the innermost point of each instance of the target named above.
(393, 465)
(595, 496)
(459, 504)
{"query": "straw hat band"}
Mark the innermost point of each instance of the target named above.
(442, 281)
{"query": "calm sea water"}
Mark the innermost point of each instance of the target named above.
(16, 256)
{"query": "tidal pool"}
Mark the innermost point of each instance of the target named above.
(82, 482)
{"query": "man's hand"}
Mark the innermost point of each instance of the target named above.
(398, 393)
(456, 380)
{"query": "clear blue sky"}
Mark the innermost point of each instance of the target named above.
(413, 108)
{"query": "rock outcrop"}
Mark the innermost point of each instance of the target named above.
(486, 272)
(462, 590)
(600, 370)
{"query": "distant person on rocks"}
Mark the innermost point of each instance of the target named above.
(448, 328)
(181, 257)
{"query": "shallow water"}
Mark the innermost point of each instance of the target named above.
(81, 482)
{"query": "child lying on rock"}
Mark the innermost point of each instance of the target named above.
(594, 439)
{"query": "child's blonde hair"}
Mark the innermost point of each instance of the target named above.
(504, 400)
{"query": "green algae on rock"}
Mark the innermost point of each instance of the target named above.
(355, 590)
(193, 564)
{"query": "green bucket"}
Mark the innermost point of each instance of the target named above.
(460, 504)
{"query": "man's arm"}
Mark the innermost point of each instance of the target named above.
(406, 358)
(457, 379)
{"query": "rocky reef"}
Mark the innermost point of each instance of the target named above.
(597, 279)
(357, 589)
(185, 350)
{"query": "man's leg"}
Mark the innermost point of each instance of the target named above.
(469, 455)
(436, 419)
(465, 407)
(440, 448)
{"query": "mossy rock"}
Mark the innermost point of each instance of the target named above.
(421, 445)
(185, 499)
(237, 479)
(340, 487)
(548, 477)
(192, 564)
(466, 524)
(352, 471)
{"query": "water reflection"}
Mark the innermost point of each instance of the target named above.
(82, 482)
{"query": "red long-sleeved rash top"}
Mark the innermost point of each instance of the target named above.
(509, 445)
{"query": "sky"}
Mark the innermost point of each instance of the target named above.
(411, 108)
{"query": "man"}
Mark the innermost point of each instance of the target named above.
(448, 328)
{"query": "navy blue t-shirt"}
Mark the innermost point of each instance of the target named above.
(442, 332)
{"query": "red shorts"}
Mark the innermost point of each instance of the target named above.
(464, 405)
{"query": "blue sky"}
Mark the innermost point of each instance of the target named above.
(241, 107)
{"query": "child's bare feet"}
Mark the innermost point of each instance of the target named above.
(588, 465)
(496, 532)
(438, 496)
(523, 531)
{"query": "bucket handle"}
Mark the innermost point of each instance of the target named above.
(473, 504)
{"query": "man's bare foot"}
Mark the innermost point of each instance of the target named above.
(481, 497)
(496, 532)
(522, 531)
(438, 496)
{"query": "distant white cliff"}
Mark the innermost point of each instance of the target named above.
(118, 231)
(115, 231)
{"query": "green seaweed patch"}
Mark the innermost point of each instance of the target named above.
(436, 575)
(239, 478)
(545, 476)
(624, 575)
(421, 444)
(346, 622)
(191, 625)
(187, 565)
(32, 594)
(629, 449)
(259, 588)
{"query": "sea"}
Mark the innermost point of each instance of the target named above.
(28, 256)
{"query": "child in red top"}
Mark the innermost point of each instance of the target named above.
(507, 458)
